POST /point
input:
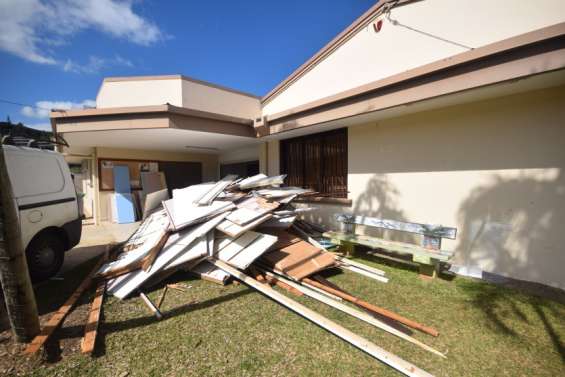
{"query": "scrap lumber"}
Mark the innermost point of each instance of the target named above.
(155, 250)
(234, 230)
(267, 181)
(273, 280)
(152, 308)
(183, 212)
(153, 201)
(363, 272)
(298, 260)
(122, 286)
(91, 329)
(242, 251)
(149, 237)
(279, 222)
(350, 337)
(197, 249)
(207, 271)
(207, 197)
(250, 209)
(249, 180)
(353, 312)
(373, 308)
(58, 317)
(162, 297)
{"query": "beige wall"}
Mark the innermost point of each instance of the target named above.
(209, 166)
(139, 93)
(215, 100)
(493, 169)
(370, 56)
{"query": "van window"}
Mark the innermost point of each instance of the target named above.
(34, 174)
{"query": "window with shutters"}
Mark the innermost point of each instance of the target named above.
(317, 162)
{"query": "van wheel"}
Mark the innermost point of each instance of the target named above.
(45, 256)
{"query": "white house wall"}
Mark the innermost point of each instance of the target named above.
(128, 93)
(370, 56)
(494, 169)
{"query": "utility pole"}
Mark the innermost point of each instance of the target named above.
(14, 274)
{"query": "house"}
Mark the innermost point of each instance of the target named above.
(432, 111)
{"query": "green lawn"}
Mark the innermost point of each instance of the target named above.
(211, 330)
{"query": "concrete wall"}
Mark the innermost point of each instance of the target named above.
(493, 169)
(370, 56)
(209, 162)
(215, 100)
(139, 93)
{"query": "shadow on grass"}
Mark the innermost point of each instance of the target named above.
(500, 309)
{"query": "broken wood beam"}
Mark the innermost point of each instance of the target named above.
(373, 308)
(91, 329)
(58, 317)
(155, 250)
(370, 348)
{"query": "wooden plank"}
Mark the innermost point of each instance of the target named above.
(91, 329)
(425, 229)
(152, 308)
(373, 308)
(299, 260)
(235, 230)
(359, 265)
(363, 316)
(245, 257)
(268, 181)
(124, 285)
(207, 197)
(368, 274)
(162, 297)
(236, 246)
(251, 209)
(341, 332)
(398, 247)
(155, 250)
(57, 318)
(195, 250)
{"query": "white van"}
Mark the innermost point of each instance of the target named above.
(48, 207)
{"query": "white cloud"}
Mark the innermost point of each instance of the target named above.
(30, 29)
(42, 109)
(95, 64)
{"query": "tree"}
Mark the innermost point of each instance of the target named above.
(14, 274)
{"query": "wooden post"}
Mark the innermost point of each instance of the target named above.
(430, 270)
(14, 274)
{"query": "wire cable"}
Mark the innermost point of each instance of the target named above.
(397, 23)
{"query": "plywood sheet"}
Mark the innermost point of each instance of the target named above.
(299, 259)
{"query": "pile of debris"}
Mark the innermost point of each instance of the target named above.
(248, 230)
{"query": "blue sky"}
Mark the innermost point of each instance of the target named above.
(55, 53)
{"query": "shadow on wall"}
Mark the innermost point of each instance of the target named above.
(514, 227)
(380, 199)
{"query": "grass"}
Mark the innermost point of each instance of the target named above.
(211, 330)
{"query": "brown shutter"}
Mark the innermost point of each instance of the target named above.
(318, 162)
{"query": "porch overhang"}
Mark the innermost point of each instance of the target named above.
(511, 60)
(164, 127)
